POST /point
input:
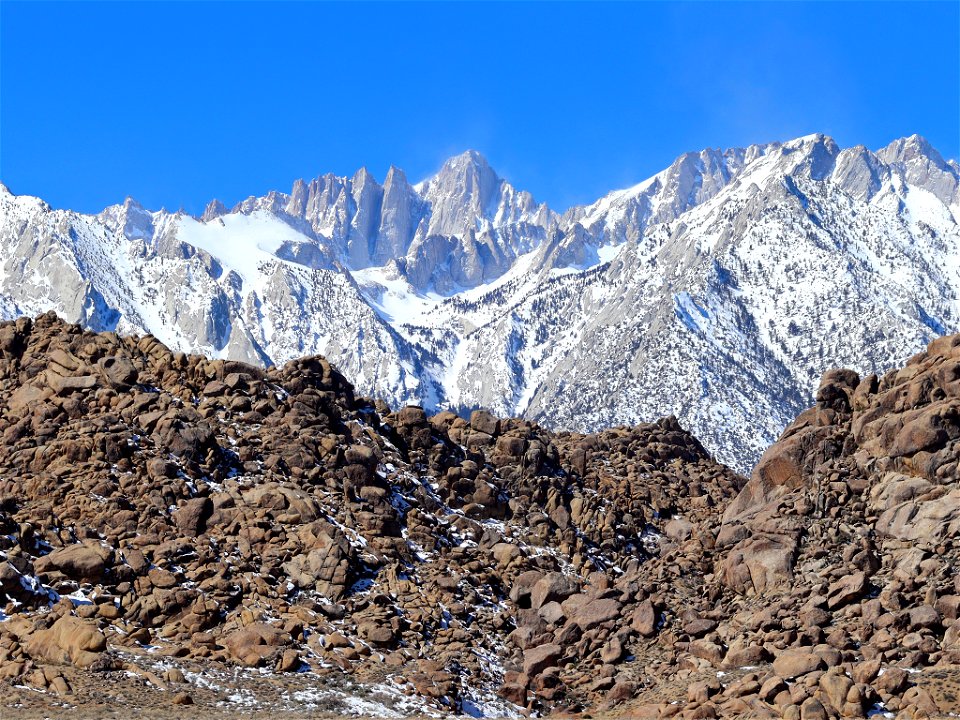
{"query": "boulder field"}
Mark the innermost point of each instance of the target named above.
(163, 510)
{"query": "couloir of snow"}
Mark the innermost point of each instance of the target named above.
(243, 243)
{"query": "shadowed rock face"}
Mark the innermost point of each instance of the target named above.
(887, 447)
(231, 515)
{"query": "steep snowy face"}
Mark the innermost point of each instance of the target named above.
(462, 196)
(458, 229)
(475, 226)
(400, 216)
(718, 290)
(807, 257)
(694, 178)
(920, 165)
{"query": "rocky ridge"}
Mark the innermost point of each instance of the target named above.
(718, 290)
(163, 510)
(228, 514)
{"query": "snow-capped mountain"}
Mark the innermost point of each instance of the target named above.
(718, 290)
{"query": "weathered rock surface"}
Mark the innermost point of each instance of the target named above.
(223, 515)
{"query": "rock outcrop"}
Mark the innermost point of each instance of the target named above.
(213, 514)
(846, 538)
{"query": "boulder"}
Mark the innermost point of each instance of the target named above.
(255, 642)
(813, 709)
(593, 612)
(795, 663)
(377, 633)
(118, 372)
(69, 640)
(85, 562)
(678, 529)
(538, 659)
(846, 590)
(553, 587)
(326, 568)
(522, 589)
(191, 517)
(483, 422)
(644, 619)
(759, 563)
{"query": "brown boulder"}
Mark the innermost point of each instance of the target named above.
(411, 416)
(779, 471)
(644, 619)
(538, 659)
(612, 651)
(552, 587)
(916, 518)
(596, 612)
(742, 654)
(846, 589)
(326, 568)
(118, 371)
(376, 633)
(191, 517)
(510, 447)
(483, 422)
(68, 640)
(759, 563)
(552, 612)
(67, 385)
(813, 709)
(706, 650)
(893, 680)
(921, 433)
(924, 616)
(522, 589)
(795, 663)
(835, 687)
(678, 529)
(250, 645)
(85, 562)
(505, 553)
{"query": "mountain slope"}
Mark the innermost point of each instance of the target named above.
(718, 290)
(176, 529)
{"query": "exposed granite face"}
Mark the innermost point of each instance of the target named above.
(922, 166)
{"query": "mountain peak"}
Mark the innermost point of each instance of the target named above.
(363, 176)
(918, 141)
(907, 148)
(131, 203)
(474, 157)
(810, 139)
(813, 141)
(463, 191)
(214, 209)
(395, 174)
(468, 163)
(921, 165)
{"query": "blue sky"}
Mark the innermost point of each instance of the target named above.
(176, 103)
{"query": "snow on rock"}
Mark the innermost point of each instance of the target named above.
(718, 290)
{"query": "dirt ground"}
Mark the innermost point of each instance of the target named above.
(152, 687)
(144, 690)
